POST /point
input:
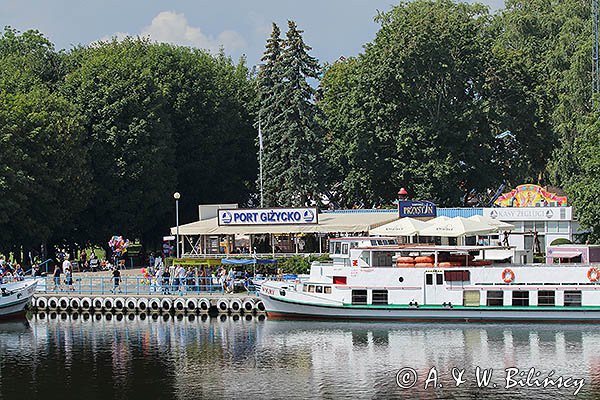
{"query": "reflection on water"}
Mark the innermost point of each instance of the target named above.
(163, 357)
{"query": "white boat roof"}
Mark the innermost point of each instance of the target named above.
(432, 248)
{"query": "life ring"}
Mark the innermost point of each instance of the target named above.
(593, 274)
(508, 275)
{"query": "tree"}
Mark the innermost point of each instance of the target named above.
(293, 163)
(413, 114)
(43, 157)
(130, 136)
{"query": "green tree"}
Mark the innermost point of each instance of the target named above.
(293, 163)
(43, 157)
(130, 136)
(413, 113)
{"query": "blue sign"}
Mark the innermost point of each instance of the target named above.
(416, 209)
(268, 216)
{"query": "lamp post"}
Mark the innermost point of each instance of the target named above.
(176, 196)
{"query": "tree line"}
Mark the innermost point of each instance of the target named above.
(94, 140)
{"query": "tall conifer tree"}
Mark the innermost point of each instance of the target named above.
(292, 160)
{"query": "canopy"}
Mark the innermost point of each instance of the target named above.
(566, 254)
(456, 227)
(334, 222)
(401, 227)
(246, 261)
(505, 226)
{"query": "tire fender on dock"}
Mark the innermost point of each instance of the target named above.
(63, 303)
(154, 304)
(119, 304)
(191, 305)
(53, 303)
(259, 306)
(166, 305)
(41, 303)
(179, 304)
(204, 304)
(130, 304)
(108, 303)
(222, 305)
(86, 304)
(248, 305)
(235, 305)
(98, 303)
(142, 304)
(75, 303)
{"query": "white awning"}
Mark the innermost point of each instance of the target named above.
(456, 227)
(400, 227)
(336, 222)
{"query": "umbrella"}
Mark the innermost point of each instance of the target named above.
(400, 227)
(505, 226)
(456, 227)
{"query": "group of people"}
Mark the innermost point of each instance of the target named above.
(10, 272)
(177, 278)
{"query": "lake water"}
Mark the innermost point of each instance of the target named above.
(127, 357)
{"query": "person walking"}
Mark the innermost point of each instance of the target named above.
(56, 276)
(116, 276)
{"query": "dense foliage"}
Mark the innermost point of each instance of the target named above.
(94, 140)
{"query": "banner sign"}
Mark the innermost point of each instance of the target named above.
(530, 196)
(529, 213)
(417, 209)
(268, 216)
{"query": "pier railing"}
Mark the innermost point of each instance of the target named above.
(132, 285)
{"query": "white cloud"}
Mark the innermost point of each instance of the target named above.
(171, 27)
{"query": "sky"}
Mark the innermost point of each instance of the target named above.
(333, 28)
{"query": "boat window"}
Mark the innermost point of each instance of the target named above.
(318, 289)
(359, 296)
(338, 248)
(304, 288)
(327, 289)
(546, 298)
(572, 298)
(495, 298)
(353, 244)
(429, 279)
(380, 296)
(373, 242)
(439, 279)
(311, 288)
(520, 299)
(332, 247)
(339, 280)
(457, 276)
(345, 248)
(471, 298)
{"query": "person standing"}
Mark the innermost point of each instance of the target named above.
(69, 277)
(83, 260)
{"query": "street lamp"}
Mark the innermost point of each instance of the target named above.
(176, 196)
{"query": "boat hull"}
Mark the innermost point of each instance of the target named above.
(278, 308)
(14, 299)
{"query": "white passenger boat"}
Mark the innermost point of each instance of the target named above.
(15, 296)
(374, 279)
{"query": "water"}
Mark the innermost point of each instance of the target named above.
(126, 357)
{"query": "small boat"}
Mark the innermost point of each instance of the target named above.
(375, 279)
(15, 296)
